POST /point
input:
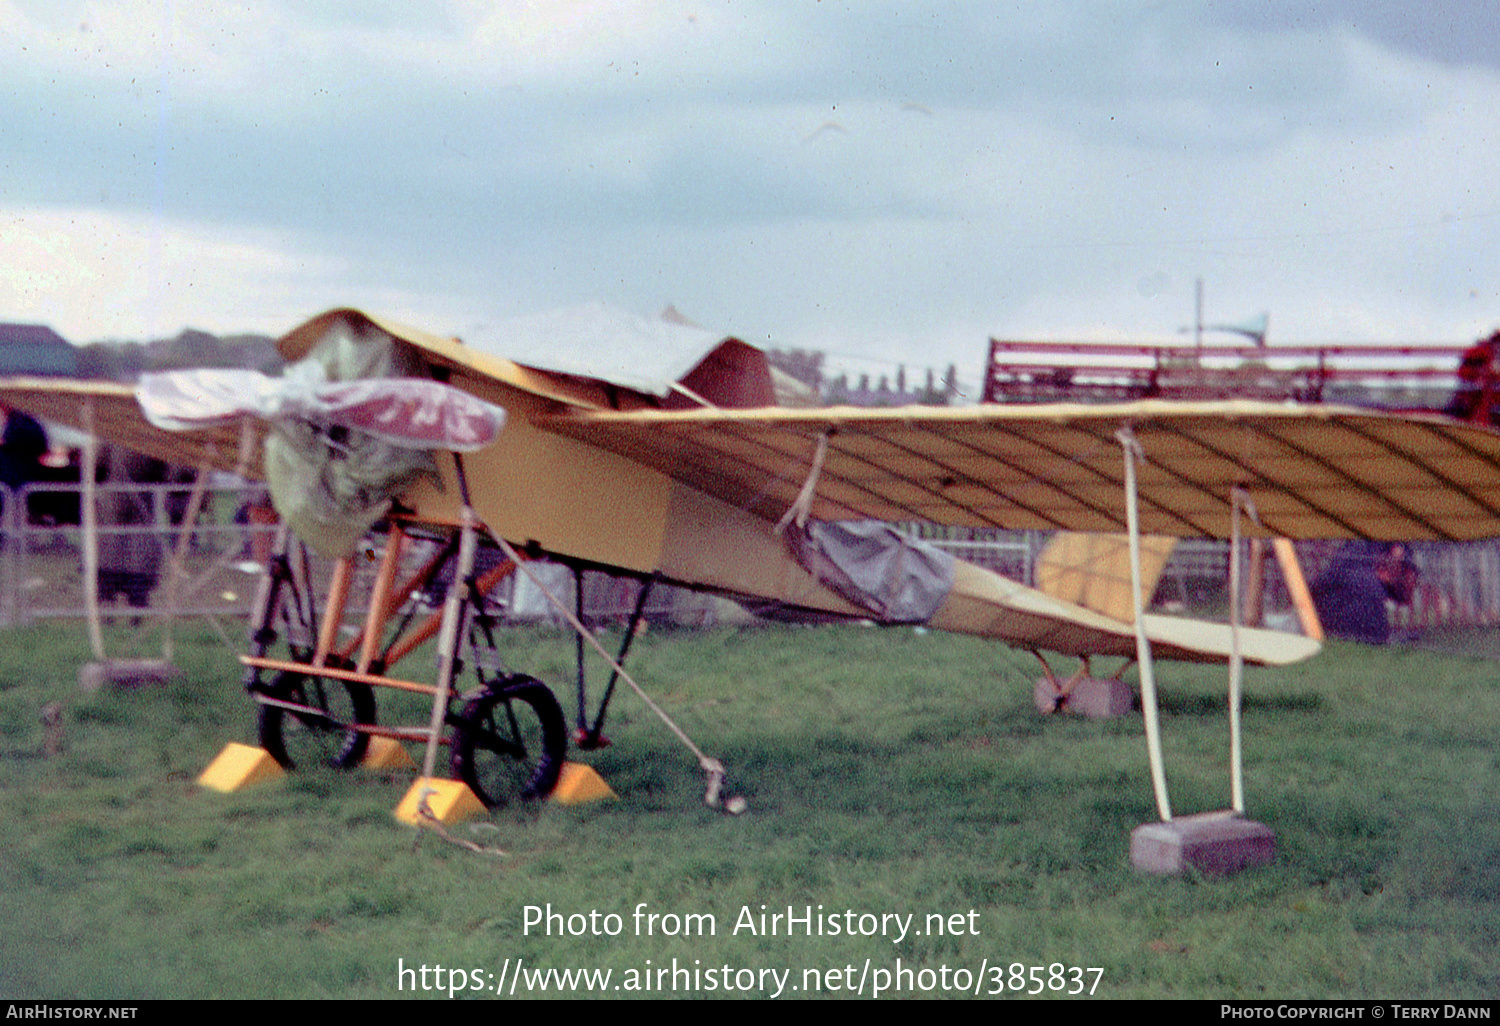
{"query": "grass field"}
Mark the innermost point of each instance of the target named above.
(886, 771)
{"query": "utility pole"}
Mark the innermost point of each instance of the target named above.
(1198, 318)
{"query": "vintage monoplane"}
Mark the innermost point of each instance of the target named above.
(696, 478)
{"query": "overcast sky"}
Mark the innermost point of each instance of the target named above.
(897, 180)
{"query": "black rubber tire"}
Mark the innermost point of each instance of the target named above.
(303, 739)
(510, 742)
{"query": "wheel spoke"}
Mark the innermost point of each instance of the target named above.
(487, 737)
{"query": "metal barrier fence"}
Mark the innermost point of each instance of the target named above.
(1459, 586)
(41, 562)
(41, 565)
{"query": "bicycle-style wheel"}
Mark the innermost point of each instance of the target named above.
(320, 729)
(510, 741)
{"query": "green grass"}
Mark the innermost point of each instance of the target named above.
(886, 771)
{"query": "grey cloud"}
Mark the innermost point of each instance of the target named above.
(1458, 32)
(998, 163)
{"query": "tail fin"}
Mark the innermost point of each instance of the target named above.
(1093, 570)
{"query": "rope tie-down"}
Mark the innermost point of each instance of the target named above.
(713, 794)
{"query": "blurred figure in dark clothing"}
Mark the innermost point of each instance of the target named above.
(1352, 590)
(130, 554)
(22, 445)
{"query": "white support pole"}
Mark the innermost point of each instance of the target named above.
(1236, 660)
(1132, 448)
(1239, 499)
(90, 525)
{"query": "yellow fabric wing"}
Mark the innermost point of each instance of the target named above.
(116, 416)
(1312, 471)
